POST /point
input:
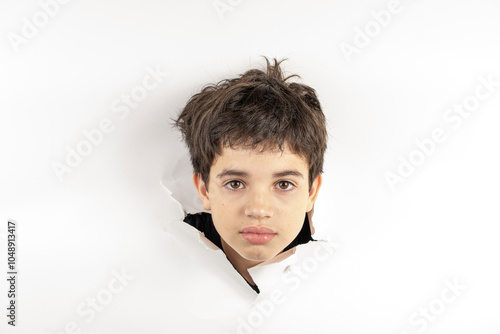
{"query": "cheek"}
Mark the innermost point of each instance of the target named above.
(224, 213)
(295, 220)
(226, 201)
(293, 213)
(293, 204)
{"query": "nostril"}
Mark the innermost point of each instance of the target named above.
(258, 213)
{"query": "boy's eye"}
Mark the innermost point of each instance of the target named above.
(234, 185)
(285, 185)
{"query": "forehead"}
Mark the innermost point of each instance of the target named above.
(263, 160)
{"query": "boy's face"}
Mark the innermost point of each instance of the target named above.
(258, 200)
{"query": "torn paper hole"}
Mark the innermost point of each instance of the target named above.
(179, 184)
(180, 187)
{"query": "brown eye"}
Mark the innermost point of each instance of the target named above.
(234, 185)
(285, 185)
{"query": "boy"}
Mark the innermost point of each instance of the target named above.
(257, 144)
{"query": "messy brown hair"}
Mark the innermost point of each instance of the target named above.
(258, 109)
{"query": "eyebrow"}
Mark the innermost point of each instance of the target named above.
(239, 173)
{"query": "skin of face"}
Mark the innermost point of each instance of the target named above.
(262, 189)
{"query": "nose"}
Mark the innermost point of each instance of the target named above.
(259, 204)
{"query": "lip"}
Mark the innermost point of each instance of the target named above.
(257, 234)
(258, 230)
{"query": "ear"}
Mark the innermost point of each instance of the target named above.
(202, 190)
(313, 193)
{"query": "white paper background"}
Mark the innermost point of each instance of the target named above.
(396, 248)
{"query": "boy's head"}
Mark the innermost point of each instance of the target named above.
(256, 110)
(257, 144)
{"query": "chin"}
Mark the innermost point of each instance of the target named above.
(257, 254)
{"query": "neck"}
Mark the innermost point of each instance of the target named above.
(239, 263)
